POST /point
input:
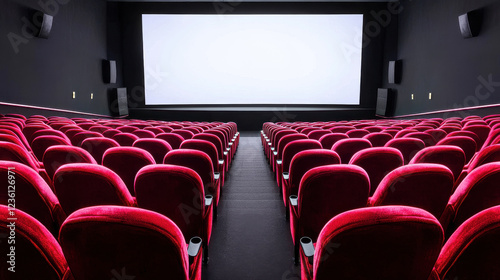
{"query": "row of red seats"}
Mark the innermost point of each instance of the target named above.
(173, 184)
(326, 188)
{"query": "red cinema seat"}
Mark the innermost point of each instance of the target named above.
(125, 138)
(40, 144)
(173, 139)
(377, 162)
(33, 195)
(467, 144)
(450, 156)
(201, 163)
(357, 244)
(357, 133)
(158, 148)
(328, 140)
(177, 192)
(473, 251)
(50, 132)
(301, 163)
(277, 153)
(426, 185)
(144, 133)
(126, 162)
(78, 138)
(318, 133)
(378, 139)
(407, 146)
(325, 192)
(96, 146)
(481, 130)
(346, 148)
(209, 149)
(56, 156)
(186, 134)
(478, 191)
(107, 242)
(37, 253)
(290, 150)
(426, 137)
(80, 185)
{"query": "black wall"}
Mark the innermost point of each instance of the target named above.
(252, 117)
(437, 59)
(45, 72)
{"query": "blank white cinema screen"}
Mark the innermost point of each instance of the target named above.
(252, 59)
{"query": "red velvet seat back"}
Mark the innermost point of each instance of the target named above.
(176, 192)
(78, 138)
(450, 156)
(378, 139)
(328, 190)
(81, 185)
(481, 130)
(425, 185)
(318, 133)
(407, 146)
(33, 195)
(12, 152)
(292, 148)
(426, 137)
(390, 243)
(346, 148)
(328, 140)
(467, 144)
(212, 139)
(173, 139)
(37, 253)
(198, 161)
(204, 146)
(377, 162)
(103, 242)
(144, 133)
(56, 156)
(50, 132)
(357, 133)
(478, 191)
(40, 144)
(97, 146)
(158, 148)
(473, 251)
(126, 162)
(285, 140)
(125, 138)
(186, 134)
(486, 155)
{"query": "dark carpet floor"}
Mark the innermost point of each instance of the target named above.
(251, 239)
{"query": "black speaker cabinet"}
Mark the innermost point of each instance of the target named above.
(385, 102)
(470, 23)
(45, 22)
(109, 71)
(118, 104)
(394, 73)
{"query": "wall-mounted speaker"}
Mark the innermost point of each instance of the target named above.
(118, 104)
(470, 23)
(394, 73)
(385, 102)
(109, 71)
(45, 24)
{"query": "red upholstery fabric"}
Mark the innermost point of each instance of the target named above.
(176, 192)
(200, 162)
(377, 162)
(481, 130)
(186, 134)
(80, 185)
(427, 186)
(473, 251)
(217, 143)
(290, 150)
(38, 255)
(467, 144)
(126, 162)
(77, 139)
(125, 138)
(33, 195)
(357, 133)
(478, 191)
(324, 192)
(407, 146)
(468, 134)
(173, 139)
(281, 146)
(328, 140)
(209, 149)
(110, 133)
(12, 152)
(158, 148)
(341, 129)
(127, 128)
(318, 133)
(104, 240)
(144, 133)
(29, 130)
(437, 134)
(56, 156)
(50, 132)
(450, 156)
(301, 163)
(96, 146)
(346, 148)
(11, 138)
(375, 243)
(426, 137)
(41, 143)
(378, 139)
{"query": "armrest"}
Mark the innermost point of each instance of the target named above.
(279, 161)
(225, 153)
(216, 175)
(194, 248)
(294, 200)
(269, 143)
(286, 176)
(230, 143)
(221, 161)
(275, 153)
(272, 149)
(208, 199)
(308, 248)
(228, 149)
